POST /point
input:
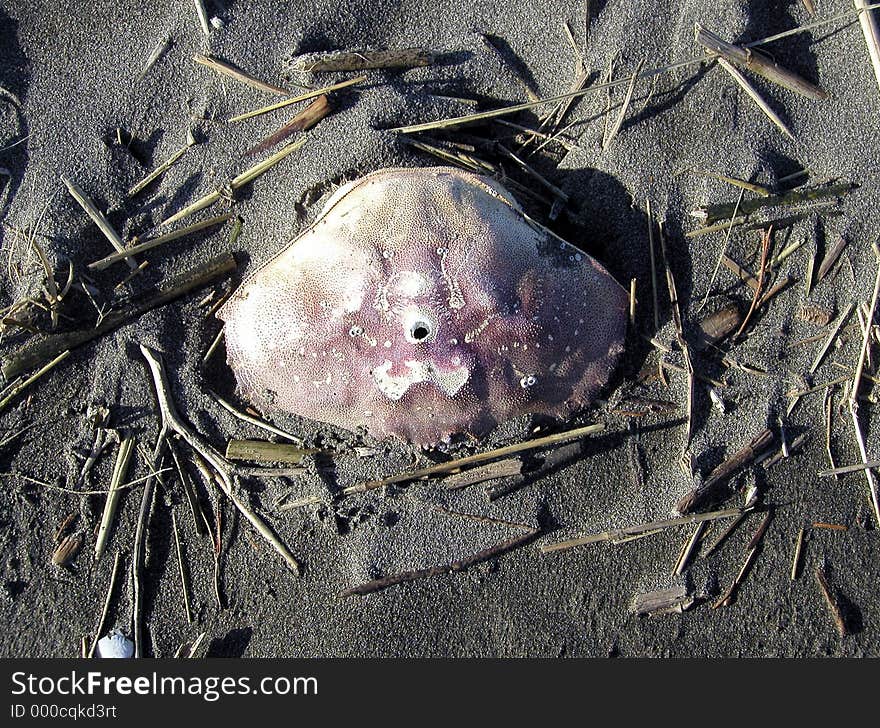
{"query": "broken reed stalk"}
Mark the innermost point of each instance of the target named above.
(516, 108)
(224, 68)
(109, 260)
(203, 17)
(619, 534)
(663, 601)
(844, 469)
(828, 207)
(868, 21)
(223, 469)
(98, 218)
(114, 573)
(41, 348)
(758, 63)
(139, 547)
(454, 465)
(820, 355)
(13, 391)
(263, 451)
(120, 471)
(297, 99)
(752, 550)
(460, 565)
(482, 473)
(162, 168)
(831, 258)
(303, 121)
(711, 489)
(873, 493)
(624, 107)
(742, 184)
(653, 258)
(798, 552)
(360, 60)
(246, 177)
(161, 46)
(255, 421)
(181, 568)
(687, 551)
(832, 601)
(752, 92)
(721, 211)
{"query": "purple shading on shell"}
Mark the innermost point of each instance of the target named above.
(423, 303)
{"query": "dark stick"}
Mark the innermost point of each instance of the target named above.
(484, 555)
(832, 601)
(41, 349)
(710, 490)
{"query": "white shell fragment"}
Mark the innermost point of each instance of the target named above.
(115, 645)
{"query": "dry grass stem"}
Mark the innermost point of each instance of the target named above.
(753, 94)
(618, 534)
(98, 218)
(454, 465)
(246, 177)
(758, 63)
(615, 128)
(298, 98)
(120, 471)
(14, 390)
(160, 240)
(868, 21)
(162, 168)
(224, 68)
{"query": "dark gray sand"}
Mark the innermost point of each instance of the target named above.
(69, 73)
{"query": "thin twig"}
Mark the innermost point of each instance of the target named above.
(653, 526)
(478, 458)
(223, 468)
(106, 609)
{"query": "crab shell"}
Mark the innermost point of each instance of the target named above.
(423, 303)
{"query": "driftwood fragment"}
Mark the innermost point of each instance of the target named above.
(712, 490)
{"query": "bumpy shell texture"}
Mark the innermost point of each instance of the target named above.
(423, 303)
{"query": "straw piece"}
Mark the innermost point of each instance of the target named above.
(120, 470)
(554, 439)
(303, 121)
(244, 178)
(757, 62)
(868, 21)
(297, 99)
(227, 69)
(162, 168)
(160, 240)
(624, 107)
(755, 96)
(711, 489)
(203, 17)
(98, 218)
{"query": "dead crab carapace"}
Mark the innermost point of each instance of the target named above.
(423, 303)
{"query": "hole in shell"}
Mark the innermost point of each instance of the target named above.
(420, 331)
